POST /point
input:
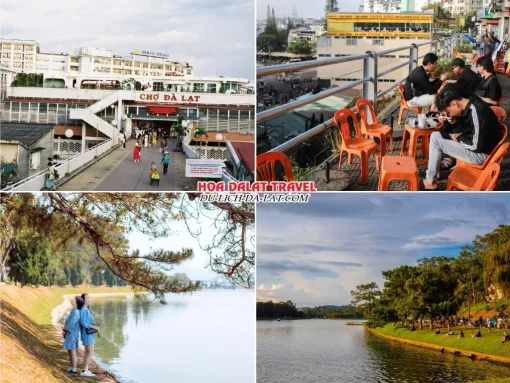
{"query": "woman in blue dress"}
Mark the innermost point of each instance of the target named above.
(71, 333)
(88, 340)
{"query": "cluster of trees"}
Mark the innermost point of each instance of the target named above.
(28, 80)
(273, 39)
(86, 233)
(272, 310)
(36, 260)
(439, 286)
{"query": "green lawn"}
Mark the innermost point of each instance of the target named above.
(41, 312)
(489, 343)
(504, 380)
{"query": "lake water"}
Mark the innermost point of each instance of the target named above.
(318, 350)
(208, 336)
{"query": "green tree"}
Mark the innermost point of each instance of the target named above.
(290, 24)
(300, 46)
(29, 261)
(364, 297)
(331, 7)
(101, 220)
(268, 42)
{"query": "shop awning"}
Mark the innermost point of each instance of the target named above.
(163, 110)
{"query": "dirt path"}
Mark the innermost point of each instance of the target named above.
(102, 376)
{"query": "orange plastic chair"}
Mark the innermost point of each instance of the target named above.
(375, 129)
(461, 164)
(488, 179)
(500, 113)
(358, 144)
(266, 166)
(399, 168)
(465, 177)
(404, 105)
(413, 134)
(475, 59)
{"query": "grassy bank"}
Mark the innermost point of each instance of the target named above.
(30, 351)
(489, 344)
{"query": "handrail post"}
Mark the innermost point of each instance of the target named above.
(413, 57)
(370, 70)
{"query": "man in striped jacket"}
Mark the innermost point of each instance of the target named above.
(477, 132)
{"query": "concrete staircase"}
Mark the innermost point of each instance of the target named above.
(89, 116)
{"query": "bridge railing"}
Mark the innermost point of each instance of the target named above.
(371, 73)
(38, 181)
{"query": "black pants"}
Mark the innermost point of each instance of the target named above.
(165, 168)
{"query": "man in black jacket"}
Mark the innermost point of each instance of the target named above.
(468, 80)
(489, 89)
(419, 91)
(478, 134)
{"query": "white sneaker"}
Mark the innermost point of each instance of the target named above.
(87, 373)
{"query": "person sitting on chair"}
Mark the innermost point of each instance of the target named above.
(468, 80)
(419, 90)
(479, 133)
(489, 89)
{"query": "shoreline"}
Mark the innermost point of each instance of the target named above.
(478, 355)
(59, 311)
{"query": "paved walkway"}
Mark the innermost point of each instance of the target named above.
(118, 172)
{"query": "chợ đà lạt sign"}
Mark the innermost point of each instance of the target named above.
(168, 97)
(204, 168)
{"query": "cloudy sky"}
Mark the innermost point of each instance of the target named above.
(316, 253)
(215, 36)
(179, 239)
(304, 8)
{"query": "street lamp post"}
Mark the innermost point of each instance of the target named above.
(69, 134)
(219, 138)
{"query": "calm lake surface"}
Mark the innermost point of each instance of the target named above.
(208, 336)
(318, 350)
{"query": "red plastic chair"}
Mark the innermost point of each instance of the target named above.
(488, 179)
(464, 177)
(374, 129)
(266, 166)
(358, 144)
(500, 113)
(404, 105)
(461, 163)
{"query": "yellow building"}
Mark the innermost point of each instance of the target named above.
(356, 33)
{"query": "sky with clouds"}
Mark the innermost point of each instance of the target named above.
(180, 238)
(214, 36)
(304, 8)
(316, 253)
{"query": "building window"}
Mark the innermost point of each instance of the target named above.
(6, 46)
(352, 41)
(158, 87)
(377, 42)
(211, 88)
(18, 47)
(17, 65)
(199, 87)
(29, 56)
(6, 55)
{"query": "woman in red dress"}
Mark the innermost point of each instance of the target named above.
(136, 153)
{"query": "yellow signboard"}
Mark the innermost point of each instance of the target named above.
(417, 35)
(379, 17)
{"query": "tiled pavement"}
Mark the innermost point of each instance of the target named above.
(354, 170)
(118, 172)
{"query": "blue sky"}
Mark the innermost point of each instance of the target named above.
(316, 253)
(304, 8)
(214, 36)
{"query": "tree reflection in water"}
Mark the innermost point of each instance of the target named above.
(117, 317)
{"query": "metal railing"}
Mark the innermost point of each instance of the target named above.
(37, 181)
(369, 81)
